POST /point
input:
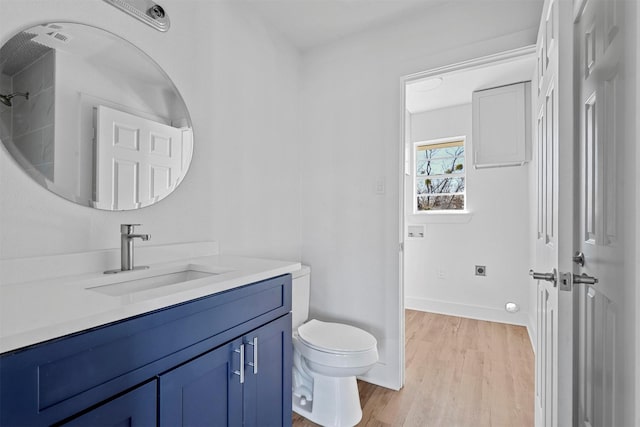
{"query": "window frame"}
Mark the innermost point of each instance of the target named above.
(415, 177)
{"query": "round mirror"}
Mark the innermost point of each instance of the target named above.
(91, 117)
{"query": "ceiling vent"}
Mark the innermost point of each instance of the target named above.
(61, 37)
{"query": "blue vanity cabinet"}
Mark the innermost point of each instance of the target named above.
(212, 390)
(175, 364)
(136, 408)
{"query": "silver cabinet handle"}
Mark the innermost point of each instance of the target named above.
(584, 279)
(240, 372)
(549, 277)
(254, 344)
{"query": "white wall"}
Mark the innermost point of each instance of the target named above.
(439, 271)
(352, 119)
(240, 82)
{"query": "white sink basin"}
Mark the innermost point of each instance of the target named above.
(153, 280)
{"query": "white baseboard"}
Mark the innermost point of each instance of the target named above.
(490, 314)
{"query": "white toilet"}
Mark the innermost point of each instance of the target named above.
(326, 359)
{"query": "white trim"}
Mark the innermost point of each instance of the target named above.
(401, 229)
(441, 217)
(473, 64)
(531, 330)
(635, 270)
(468, 311)
(440, 141)
(376, 376)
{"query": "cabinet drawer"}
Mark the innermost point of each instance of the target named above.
(136, 408)
(51, 381)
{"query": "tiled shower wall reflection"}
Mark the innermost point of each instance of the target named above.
(5, 112)
(32, 124)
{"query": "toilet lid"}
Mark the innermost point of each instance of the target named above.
(336, 337)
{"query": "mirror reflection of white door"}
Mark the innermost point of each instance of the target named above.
(138, 161)
(599, 77)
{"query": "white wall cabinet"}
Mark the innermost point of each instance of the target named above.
(501, 126)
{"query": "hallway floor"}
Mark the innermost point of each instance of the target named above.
(459, 372)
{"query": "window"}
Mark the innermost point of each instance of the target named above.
(440, 175)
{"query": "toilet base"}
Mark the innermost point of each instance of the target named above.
(336, 402)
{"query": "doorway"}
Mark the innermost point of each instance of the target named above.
(467, 259)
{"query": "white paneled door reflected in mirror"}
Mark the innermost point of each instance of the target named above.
(91, 117)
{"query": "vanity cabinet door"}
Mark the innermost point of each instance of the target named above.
(205, 391)
(209, 390)
(136, 408)
(267, 389)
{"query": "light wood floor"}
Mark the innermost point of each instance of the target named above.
(459, 372)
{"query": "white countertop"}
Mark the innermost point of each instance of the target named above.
(39, 310)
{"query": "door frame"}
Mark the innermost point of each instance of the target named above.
(500, 57)
(632, 219)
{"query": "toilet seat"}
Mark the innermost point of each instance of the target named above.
(335, 349)
(336, 338)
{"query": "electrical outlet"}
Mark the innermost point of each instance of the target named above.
(481, 270)
(441, 274)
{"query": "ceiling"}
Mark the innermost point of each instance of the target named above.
(457, 87)
(312, 23)
(308, 24)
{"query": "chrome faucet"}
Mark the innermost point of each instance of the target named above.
(126, 248)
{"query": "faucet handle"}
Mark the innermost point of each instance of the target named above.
(127, 228)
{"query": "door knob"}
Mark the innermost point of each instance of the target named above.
(549, 277)
(584, 279)
(578, 258)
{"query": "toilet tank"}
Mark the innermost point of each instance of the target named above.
(300, 288)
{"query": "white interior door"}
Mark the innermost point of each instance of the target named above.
(546, 256)
(138, 161)
(598, 38)
(553, 136)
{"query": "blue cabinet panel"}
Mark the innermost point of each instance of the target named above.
(52, 381)
(147, 340)
(267, 393)
(136, 408)
(204, 391)
(207, 391)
